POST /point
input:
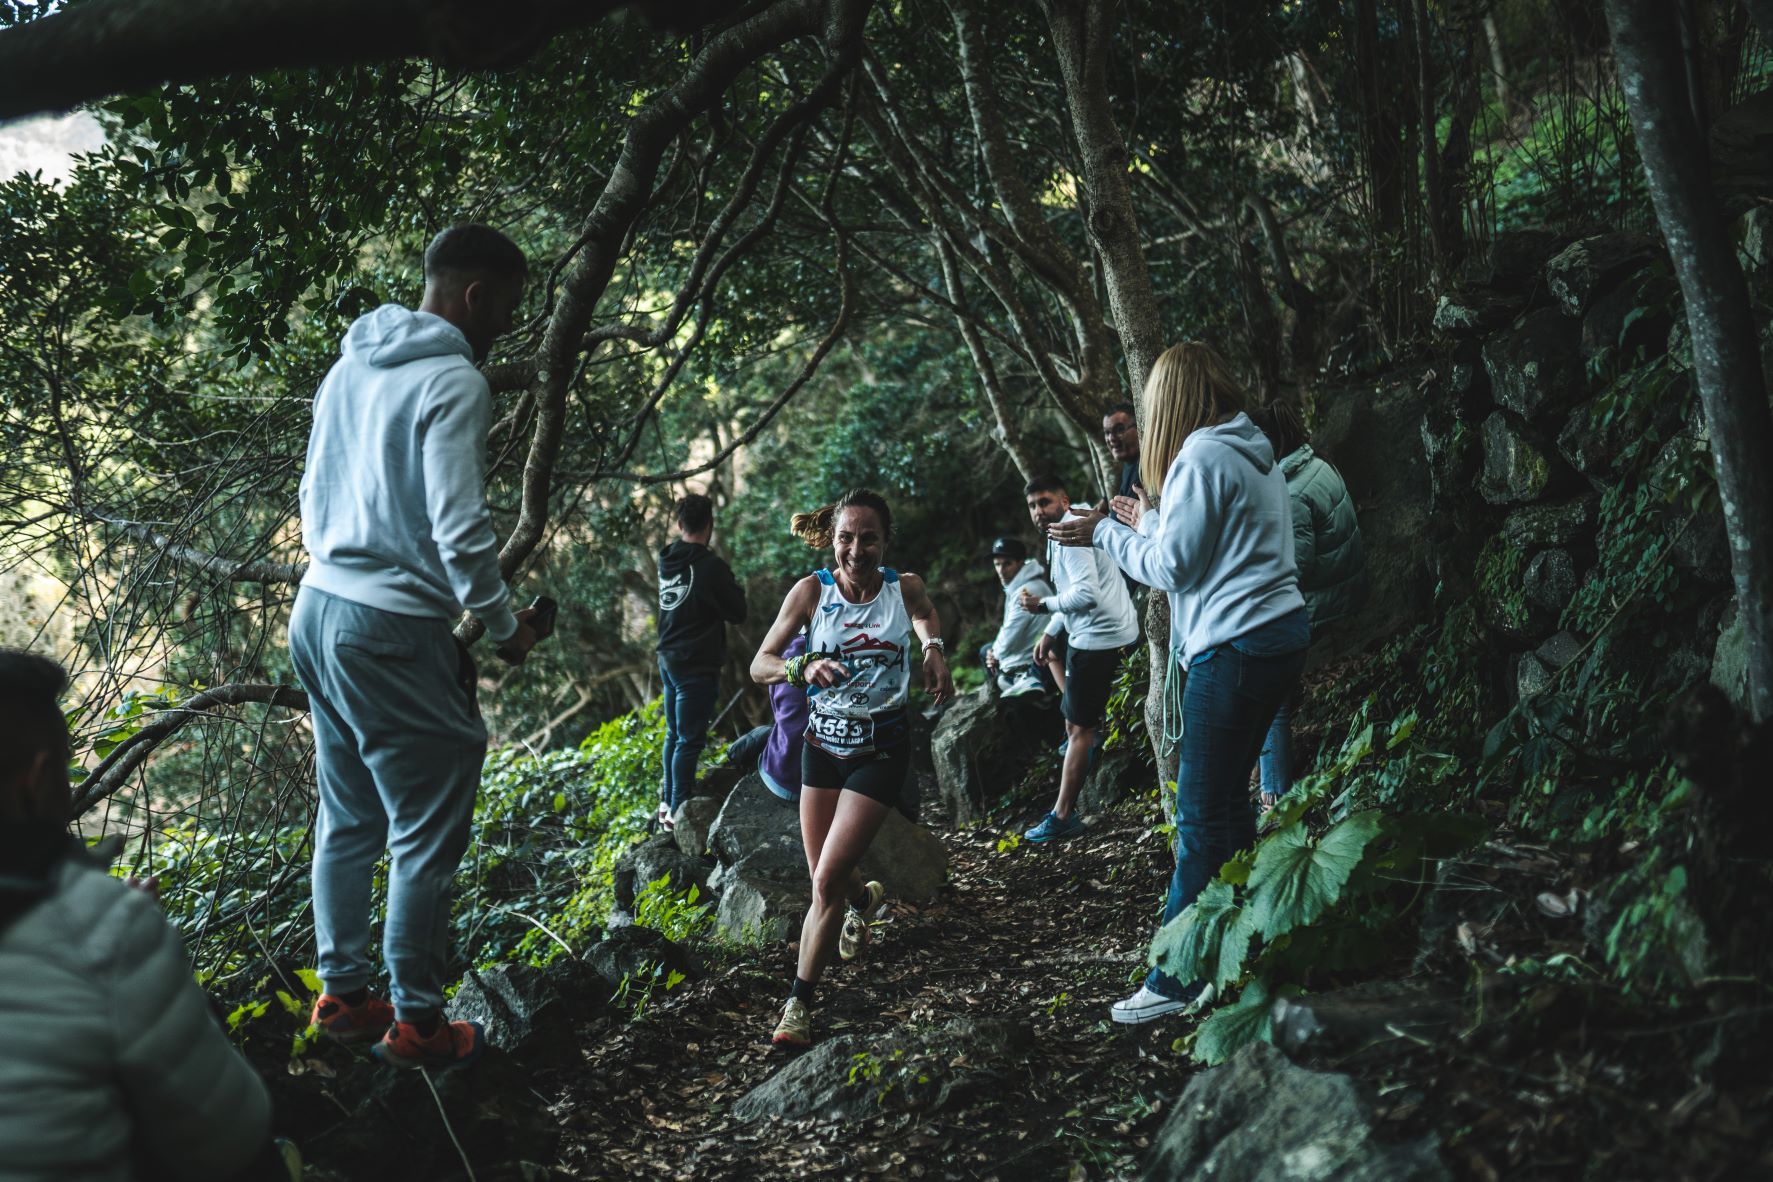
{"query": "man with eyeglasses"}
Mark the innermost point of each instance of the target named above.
(1120, 430)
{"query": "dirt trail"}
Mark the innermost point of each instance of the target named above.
(1046, 937)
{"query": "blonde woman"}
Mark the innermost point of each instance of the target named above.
(860, 617)
(1221, 548)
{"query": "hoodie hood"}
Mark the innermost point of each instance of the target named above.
(1031, 570)
(392, 335)
(678, 556)
(1241, 436)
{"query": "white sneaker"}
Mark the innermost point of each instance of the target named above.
(1148, 1005)
(1018, 684)
(666, 824)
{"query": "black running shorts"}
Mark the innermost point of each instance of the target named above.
(1089, 679)
(878, 775)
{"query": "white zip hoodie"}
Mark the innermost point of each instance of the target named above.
(1222, 545)
(393, 496)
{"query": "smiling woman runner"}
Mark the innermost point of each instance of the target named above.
(859, 616)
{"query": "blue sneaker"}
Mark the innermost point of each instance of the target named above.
(1054, 828)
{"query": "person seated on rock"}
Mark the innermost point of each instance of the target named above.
(1009, 658)
(1221, 550)
(114, 1066)
(773, 749)
(1331, 557)
(1094, 613)
(859, 617)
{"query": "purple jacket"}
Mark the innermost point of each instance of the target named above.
(780, 762)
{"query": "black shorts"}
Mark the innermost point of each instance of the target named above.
(878, 775)
(1089, 679)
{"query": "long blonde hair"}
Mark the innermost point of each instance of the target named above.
(1190, 387)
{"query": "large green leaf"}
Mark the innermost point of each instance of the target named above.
(1296, 879)
(1208, 941)
(1234, 1027)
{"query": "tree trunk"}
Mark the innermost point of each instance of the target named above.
(1080, 38)
(1499, 66)
(1726, 351)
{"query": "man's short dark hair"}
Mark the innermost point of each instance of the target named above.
(695, 513)
(1045, 482)
(30, 711)
(1121, 408)
(474, 249)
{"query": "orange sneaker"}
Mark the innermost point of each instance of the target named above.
(454, 1044)
(348, 1023)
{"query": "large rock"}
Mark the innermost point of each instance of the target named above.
(1118, 774)
(655, 858)
(751, 817)
(982, 748)
(695, 817)
(523, 1009)
(763, 883)
(1514, 258)
(1729, 659)
(764, 897)
(1536, 368)
(1631, 319)
(1563, 523)
(1473, 314)
(1515, 468)
(1587, 268)
(631, 954)
(1259, 1118)
(1549, 582)
(904, 1070)
(1373, 434)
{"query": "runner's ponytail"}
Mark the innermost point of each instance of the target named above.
(815, 528)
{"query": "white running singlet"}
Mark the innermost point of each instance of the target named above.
(873, 642)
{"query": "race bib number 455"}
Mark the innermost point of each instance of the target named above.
(841, 736)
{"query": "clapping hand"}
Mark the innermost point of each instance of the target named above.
(1077, 530)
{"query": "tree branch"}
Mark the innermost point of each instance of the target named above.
(214, 564)
(116, 768)
(89, 51)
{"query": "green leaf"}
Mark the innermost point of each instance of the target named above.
(1234, 1027)
(1208, 941)
(311, 979)
(1296, 880)
(1402, 729)
(560, 802)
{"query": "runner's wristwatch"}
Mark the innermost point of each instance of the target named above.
(938, 644)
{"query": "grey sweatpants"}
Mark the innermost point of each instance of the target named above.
(398, 744)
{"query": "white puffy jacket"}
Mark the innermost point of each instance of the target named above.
(108, 1045)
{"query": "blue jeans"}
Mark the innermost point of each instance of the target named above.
(398, 745)
(689, 704)
(1231, 696)
(1277, 750)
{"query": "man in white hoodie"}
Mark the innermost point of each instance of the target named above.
(1009, 658)
(1094, 612)
(394, 517)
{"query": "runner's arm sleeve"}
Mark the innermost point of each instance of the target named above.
(456, 412)
(199, 1109)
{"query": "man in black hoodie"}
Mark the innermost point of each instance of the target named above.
(698, 598)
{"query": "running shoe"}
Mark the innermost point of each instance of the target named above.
(1148, 1004)
(853, 940)
(452, 1044)
(334, 1019)
(664, 819)
(1019, 684)
(1053, 827)
(796, 1027)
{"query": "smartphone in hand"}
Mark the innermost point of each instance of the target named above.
(542, 623)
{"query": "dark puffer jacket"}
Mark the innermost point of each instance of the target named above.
(1326, 539)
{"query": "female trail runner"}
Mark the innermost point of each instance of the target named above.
(860, 617)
